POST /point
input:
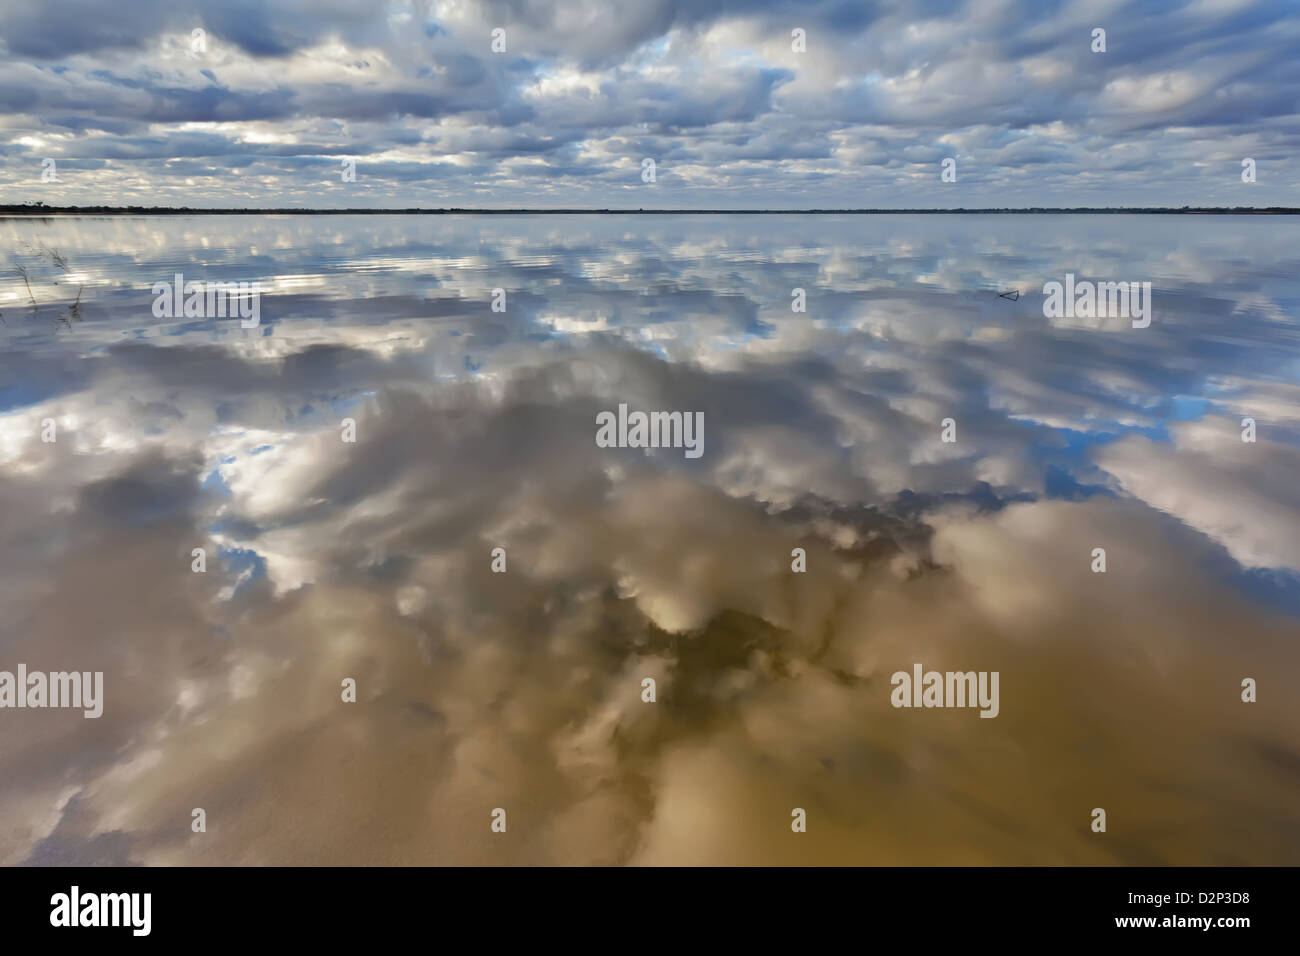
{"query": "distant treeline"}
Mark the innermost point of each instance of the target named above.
(40, 209)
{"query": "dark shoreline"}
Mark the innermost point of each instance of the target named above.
(10, 211)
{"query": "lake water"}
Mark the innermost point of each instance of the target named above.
(470, 358)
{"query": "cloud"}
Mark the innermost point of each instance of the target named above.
(1236, 492)
(712, 91)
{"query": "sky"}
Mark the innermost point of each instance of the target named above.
(265, 105)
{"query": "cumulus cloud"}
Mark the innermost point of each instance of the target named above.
(280, 91)
(1242, 494)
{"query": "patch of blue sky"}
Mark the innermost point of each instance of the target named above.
(1068, 468)
(340, 404)
(1278, 588)
(26, 394)
(243, 564)
(215, 484)
(1188, 408)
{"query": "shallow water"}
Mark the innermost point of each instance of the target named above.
(523, 690)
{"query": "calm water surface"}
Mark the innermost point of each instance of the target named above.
(475, 429)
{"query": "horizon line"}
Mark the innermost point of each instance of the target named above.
(38, 210)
